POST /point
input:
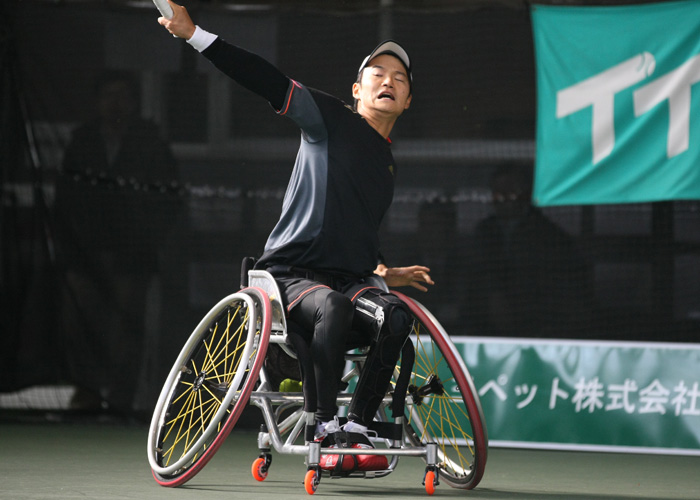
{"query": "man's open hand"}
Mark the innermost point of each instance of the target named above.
(405, 276)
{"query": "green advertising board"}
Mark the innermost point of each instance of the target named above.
(615, 396)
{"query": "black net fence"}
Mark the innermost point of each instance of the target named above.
(135, 178)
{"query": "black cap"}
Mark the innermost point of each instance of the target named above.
(393, 48)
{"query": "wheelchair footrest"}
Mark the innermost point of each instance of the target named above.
(384, 430)
(387, 430)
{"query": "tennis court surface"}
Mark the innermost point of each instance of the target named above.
(106, 461)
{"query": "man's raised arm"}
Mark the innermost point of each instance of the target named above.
(248, 69)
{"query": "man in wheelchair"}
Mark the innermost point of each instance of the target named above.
(325, 248)
(330, 317)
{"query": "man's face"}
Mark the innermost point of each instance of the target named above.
(384, 87)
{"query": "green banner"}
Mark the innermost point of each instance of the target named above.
(618, 112)
(587, 395)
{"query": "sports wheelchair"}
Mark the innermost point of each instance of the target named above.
(431, 409)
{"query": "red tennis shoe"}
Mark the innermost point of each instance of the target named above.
(353, 435)
(351, 463)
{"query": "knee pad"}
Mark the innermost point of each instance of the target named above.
(398, 320)
(397, 316)
(384, 352)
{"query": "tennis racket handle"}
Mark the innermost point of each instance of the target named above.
(164, 7)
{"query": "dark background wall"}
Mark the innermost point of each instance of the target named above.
(106, 269)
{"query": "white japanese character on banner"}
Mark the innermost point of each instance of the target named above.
(495, 386)
(525, 390)
(619, 396)
(681, 398)
(588, 395)
(654, 398)
(556, 393)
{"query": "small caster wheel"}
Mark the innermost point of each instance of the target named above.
(260, 467)
(431, 480)
(311, 481)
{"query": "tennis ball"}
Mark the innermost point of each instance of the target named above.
(290, 385)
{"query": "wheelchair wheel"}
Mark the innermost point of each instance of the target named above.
(209, 386)
(443, 405)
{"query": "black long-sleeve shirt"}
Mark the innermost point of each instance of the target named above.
(343, 179)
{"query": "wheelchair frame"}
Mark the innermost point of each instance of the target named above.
(221, 369)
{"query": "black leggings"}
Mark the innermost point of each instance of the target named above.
(328, 314)
(336, 327)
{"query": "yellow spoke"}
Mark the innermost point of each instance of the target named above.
(448, 416)
(185, 383)
(241, 339)
(227, 375)
(216, 361)
(188, 436)
(428, 417)
(209, 358)
(448, 439)
(211, 364)
(459, 401)
(179, 430)
(184, 393)
(228, 340)
(214, 396)
(202, 426)
(423, 363)
(171, 424)
(237, 366)
(188, 413)
(225, 336)
(464, 463)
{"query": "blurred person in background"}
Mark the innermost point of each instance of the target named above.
(111, 220)
(527, 277)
